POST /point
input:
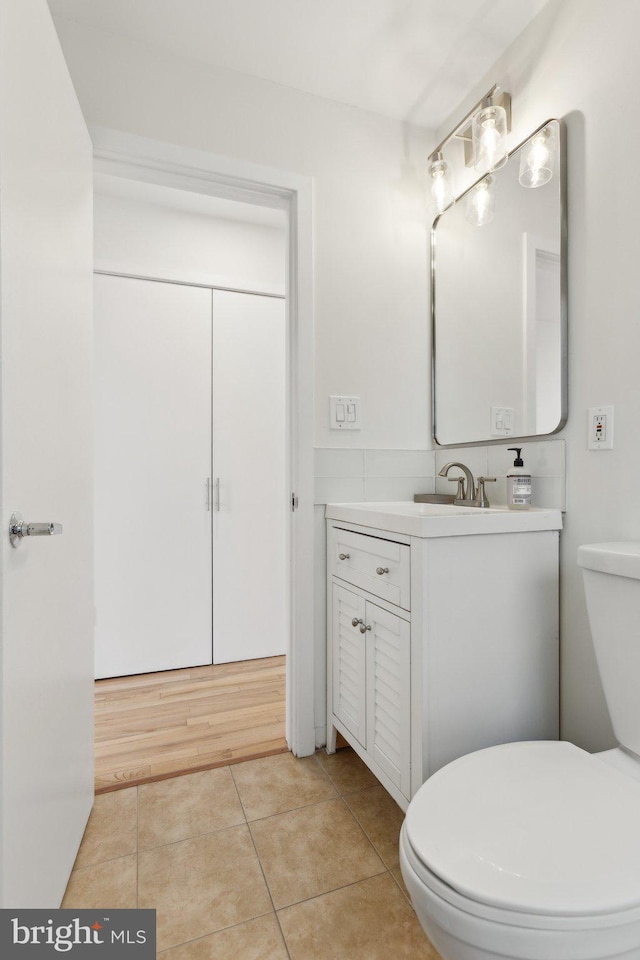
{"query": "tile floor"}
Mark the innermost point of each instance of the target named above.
(264, 860)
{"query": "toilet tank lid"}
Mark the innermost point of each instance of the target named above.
(620, 558)
(538, 827)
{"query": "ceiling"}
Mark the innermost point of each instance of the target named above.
(413, 60)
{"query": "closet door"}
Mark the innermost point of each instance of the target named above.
(250, 520)
(152, 463)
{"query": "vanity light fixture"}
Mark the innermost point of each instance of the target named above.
(481, 202)
(441, 188)
(484, 132)
(537, 163)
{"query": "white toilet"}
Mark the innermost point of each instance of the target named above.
(531, 851)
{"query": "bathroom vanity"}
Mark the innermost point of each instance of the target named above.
(442, 633)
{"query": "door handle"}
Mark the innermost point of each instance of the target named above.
(216, 494)
(19, 529)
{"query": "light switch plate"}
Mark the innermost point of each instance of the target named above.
(502, 421)
(345, 413)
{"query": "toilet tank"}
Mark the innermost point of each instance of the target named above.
(611, 574)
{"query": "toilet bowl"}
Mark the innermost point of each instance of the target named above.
(531, 851)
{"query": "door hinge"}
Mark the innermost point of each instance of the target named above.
(294, 501)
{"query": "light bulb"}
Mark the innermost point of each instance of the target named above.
(481, 203)
(490, 141)
(537, 163)
(441, 189)
(489, 132)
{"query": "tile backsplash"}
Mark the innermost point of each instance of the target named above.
(347, 475)
(355, 475)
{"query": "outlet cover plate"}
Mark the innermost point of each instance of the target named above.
(600, 436)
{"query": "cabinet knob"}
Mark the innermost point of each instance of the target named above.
(364, 627)
(381, 570)
(355, 622)
(344, 556)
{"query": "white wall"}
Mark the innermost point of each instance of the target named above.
(579, 60)
(370, 235)
(152, 239)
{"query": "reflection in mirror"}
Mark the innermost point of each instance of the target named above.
(498, 304)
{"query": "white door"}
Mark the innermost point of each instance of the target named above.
(153, 465)
(46, 650)
(250, 467)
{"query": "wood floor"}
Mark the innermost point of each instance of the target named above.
(157, 725)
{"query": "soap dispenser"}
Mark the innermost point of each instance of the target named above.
(518, 483)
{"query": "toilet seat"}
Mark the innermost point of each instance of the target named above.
(477, 913)
(531, 829)
(467, 929)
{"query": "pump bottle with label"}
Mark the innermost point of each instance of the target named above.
(518, 484)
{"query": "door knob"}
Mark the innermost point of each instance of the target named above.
(19, 528)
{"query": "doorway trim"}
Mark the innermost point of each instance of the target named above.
(139, 158)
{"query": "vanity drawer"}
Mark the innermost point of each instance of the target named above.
(357, 558)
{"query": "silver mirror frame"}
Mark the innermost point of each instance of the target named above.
(564, 308)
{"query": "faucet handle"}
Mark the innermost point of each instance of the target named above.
(481, 497)
(460, 491)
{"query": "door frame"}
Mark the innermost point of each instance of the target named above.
(139, 158)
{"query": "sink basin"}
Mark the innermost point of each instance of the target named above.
(442, 519)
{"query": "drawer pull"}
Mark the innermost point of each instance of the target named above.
(364, 627)
(355, 622)
(344, 556)
(381, 570)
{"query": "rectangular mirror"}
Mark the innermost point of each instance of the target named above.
(498, 301)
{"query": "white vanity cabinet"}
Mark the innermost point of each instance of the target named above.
(443, 639)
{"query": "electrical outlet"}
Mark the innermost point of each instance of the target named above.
(600, 424)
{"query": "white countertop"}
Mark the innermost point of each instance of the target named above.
(442, 520)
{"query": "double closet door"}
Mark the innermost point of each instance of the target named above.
(190, 476)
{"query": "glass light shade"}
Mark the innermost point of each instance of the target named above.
(441, 189)
(481, 203)
(537, 161)
(489, 132)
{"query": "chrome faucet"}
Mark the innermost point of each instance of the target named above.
(466, 494)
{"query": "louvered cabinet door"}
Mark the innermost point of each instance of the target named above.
(349, 663)
(388, 667)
